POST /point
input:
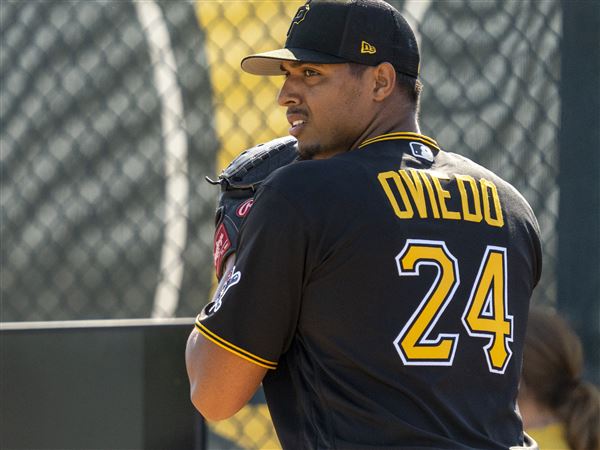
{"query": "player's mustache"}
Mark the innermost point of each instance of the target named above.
(298, 111)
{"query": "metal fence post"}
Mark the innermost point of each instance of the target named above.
(579, 179)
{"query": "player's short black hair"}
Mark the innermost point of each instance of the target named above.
(411, 86)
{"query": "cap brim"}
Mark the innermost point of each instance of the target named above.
(269, 63)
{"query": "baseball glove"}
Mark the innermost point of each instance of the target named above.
(239, 182)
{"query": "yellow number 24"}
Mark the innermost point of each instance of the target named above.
(485, 315)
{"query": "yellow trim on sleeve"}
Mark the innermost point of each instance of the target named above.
(404, 135)
(233, 348)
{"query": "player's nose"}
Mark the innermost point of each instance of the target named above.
(288, 95)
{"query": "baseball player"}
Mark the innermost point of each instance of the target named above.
(379, 285)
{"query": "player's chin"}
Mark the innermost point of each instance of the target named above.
(308, 150)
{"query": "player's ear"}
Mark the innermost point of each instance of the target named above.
(385, 81)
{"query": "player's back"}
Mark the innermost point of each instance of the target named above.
(419, 269)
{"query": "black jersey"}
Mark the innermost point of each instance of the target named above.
(388, 289)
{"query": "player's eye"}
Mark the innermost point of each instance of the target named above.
(310, 73)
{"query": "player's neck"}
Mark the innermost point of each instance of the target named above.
(396, 115)
(391, 117)
(391, 124)
(409, 124)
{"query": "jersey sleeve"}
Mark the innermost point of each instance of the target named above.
(255, 312)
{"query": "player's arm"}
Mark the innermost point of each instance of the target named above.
(221, 383)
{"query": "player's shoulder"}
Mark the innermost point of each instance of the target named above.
(466, 166)
(312, 176)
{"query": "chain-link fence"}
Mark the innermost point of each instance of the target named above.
(112, 112)
(107, 132)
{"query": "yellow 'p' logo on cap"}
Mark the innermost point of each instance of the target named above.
(299, 17)
(367, 48)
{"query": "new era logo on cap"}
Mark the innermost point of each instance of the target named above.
(367, 32)
(367, 48)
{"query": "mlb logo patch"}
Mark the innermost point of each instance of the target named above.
(421, 151)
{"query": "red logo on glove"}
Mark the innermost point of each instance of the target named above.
(244, 208)
(222, 244)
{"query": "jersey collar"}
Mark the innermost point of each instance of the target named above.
(401, 135)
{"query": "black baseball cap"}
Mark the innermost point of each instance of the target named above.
(327, 32)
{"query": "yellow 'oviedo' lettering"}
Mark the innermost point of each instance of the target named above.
(443, 194)
(475, 215)
(403, 213)
(417, 193)
(415, 187)
(488, 186)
